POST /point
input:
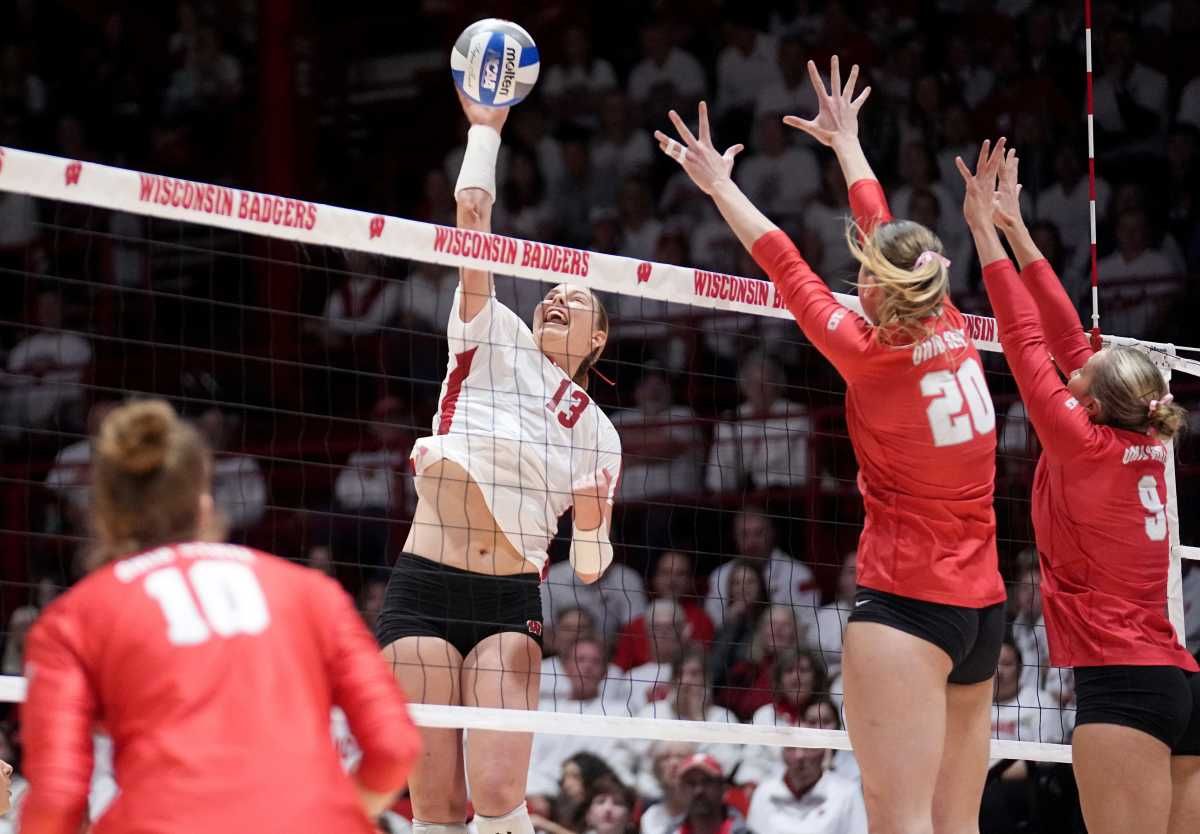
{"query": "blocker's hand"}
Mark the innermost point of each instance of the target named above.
(697, 156)
(980, 198)
(837, 114)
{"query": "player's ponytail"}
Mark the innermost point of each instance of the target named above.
(910, 272)
(600, 322)
(149, 469)
(1133, 395)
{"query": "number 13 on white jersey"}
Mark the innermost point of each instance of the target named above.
(949, 423)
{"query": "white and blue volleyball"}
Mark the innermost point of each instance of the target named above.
(495, 63)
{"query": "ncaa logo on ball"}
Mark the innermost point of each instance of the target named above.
(491, 72)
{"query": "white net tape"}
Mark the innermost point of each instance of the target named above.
(321, 225)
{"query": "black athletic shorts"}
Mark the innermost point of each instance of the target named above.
(971, 636)
(428, 599)
(1162, 701)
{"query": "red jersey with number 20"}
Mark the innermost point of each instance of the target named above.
(1099, 493)
(214, 668)
(924, 432)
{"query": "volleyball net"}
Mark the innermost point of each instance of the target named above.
(308, 344)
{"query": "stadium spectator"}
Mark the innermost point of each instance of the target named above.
(674, 579)
(616, 598)
(579, 191)
(1028, 625)
(566, 802)
(788, 580)
(669, 632)
(570, 626)
(807, 798)
(747, 63)
(1130, 99)
(765, 442)
(667, 76)
(825, 634)
(745, 596)
(639, 228)
(778, 176)
(778, 671)
(1137, 260)
(239, 489)
(45, 371)
(363, 303)
(573, 85)
(620, 150)
(208, 78)
(370, 600)
(825, 228)
(690, 698)
(791, 93)
(665, 815)
(523, 209)
(610, 810)
(661, 441)
(70, 475)
(375, 486)
(1065, 204)
(703, 782)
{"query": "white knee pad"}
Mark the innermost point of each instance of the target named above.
(420, 827)
(515, 821)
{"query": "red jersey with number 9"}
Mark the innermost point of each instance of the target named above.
(1099, 493)
(924, 432)
(215, 669)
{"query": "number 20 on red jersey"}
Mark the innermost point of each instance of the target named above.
(949, 423)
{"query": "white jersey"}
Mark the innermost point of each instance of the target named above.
(524, 432)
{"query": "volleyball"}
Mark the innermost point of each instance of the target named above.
(495, 63)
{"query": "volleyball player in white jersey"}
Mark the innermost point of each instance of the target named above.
(517, 442)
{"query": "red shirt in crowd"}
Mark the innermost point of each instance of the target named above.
(633, 641)
(1099, 493)
(214, 669)
(923, 427)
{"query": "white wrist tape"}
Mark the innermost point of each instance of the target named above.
(479, 162)
(591, 551)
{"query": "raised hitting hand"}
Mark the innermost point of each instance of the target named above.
(980, 201)
(697, 156)
(837, 114)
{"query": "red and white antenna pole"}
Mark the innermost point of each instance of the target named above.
(1091, 138)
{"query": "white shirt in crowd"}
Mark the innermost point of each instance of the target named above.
(740, 76)
(680, 69)
(781, 184)
(1189, 104)
(1067, 208)
(46, 370)
(376, 479)
(772, 450)
(641, 243)
(613, 600)
(239, 490)
(659, 820)
(646, 681)
(550, 751)
(1028, 717)
(832, 806)
(789, 582)
(1150, 263)
(71, 475)
(18, 220)
(555, 687)
(825, 633)
(1148, 89)
(647, 785)
(596, 78)
(363, 305)
(800, 100)
(1191, 608)
(528, 436)
(679, 475)
(621, 160)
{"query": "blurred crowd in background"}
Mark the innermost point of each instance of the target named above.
(311, 371)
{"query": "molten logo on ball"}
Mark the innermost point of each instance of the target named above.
(510, 71)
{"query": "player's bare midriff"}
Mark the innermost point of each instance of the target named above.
(453, 525)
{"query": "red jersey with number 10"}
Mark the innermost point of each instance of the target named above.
(1099, 493)
(924, 432)
(214, 668)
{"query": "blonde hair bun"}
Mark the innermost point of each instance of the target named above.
(136, 438)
